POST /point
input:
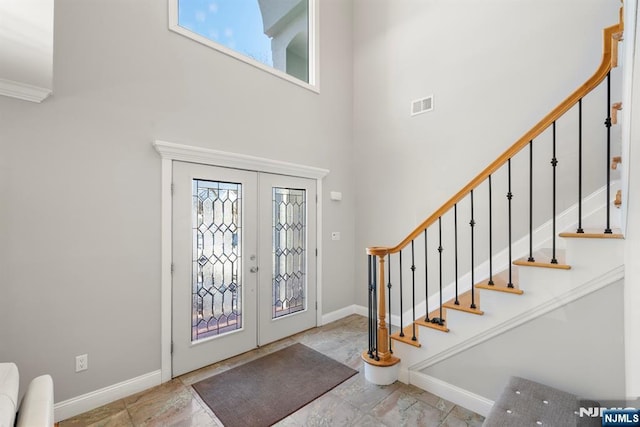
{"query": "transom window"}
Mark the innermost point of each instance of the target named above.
(275, 35)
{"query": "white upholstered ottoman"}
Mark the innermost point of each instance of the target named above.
(528, 403)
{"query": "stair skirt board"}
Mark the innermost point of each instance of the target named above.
(593, 209)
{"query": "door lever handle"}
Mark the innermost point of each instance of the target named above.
(253, 269)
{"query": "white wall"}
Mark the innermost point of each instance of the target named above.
(578, 348)
(495, 69)
(80, 181)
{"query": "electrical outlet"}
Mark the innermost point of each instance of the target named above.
(82, 363)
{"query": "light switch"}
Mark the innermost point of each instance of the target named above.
(336, 195)
(335, 235)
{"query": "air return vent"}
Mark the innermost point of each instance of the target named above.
(423, 105)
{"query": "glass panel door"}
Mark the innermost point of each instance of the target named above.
(214, 256)
(289, 282)
(244, 262)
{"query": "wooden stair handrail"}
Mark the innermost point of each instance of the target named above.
(555, 114)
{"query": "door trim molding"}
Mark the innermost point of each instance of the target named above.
(208, 156)
(170, 151)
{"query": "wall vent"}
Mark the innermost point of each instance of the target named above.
(423, 105)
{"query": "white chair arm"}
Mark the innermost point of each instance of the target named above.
(36, 409)
(9, 383)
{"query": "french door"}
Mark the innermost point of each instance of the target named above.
(244, 265)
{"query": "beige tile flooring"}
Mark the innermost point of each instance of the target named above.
(353, 403)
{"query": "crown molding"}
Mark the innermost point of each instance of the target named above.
(23, 91)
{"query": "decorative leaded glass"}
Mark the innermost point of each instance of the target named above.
(216, 289)
(289, 251)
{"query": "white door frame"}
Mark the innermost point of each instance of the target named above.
(169, 152)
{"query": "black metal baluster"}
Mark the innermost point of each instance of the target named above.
(389, 297)
(608, 124)
(455, 233)
(439, 320)
(426, 278)
(531, 259)
(413, 291)
(554, 163)
(370, 294)
(401, 298)
(373, 311)
(579, 229)
(509, 197)
(490, 282)
(472, 223)
(375, 305)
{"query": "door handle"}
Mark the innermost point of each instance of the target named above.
(253, 269)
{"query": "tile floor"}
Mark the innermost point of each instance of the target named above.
(353, 403)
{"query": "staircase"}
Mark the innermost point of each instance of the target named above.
(539, 288)
(477, 267)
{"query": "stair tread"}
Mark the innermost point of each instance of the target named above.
(543, 259)
(408, 334)
(500, 282)
(435, 313)
(465, 303)
(594, 233)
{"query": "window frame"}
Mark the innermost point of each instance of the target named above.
(312, 85)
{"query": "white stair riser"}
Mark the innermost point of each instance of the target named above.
(544, 281)
(496, 301)
(595, 254)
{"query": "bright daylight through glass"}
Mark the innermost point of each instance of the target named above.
(272, 32)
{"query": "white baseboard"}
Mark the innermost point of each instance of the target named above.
(361, 310)
(341, 313)
(466, 399)
(86, 402)
(364, 311)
